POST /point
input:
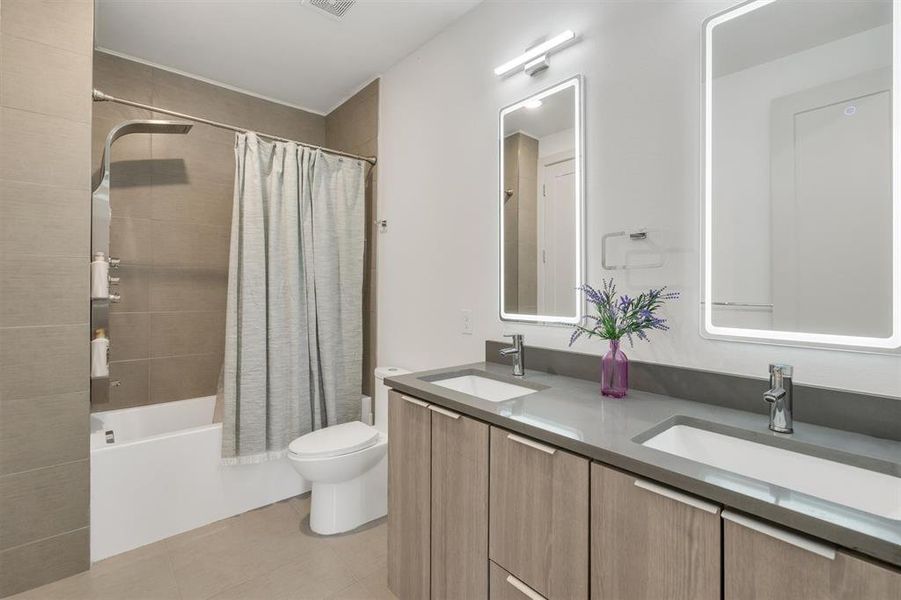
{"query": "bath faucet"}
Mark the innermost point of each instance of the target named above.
(780, 398)
(516, 352)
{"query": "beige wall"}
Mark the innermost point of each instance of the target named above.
(521, 224)
(354, 127)
(45, 132)
(171, 202)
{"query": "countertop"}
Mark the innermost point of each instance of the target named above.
(572, 414)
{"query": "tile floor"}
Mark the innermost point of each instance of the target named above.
(266, 554)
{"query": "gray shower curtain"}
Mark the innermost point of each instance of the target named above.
(293, 344)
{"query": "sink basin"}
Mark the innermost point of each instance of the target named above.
(484, 388)
(869, 491)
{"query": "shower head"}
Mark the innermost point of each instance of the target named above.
(136, 126)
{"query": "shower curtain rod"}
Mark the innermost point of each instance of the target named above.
(101, 97)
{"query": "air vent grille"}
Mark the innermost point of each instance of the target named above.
(335, 8)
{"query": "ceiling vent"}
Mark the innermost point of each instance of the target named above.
(333, 8)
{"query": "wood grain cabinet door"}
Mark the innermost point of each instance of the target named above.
(538, 515)
(459, 507)
(650, 542)
(409, 470)
(764, 562)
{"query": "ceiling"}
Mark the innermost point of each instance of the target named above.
(556, 114)
(283, 50)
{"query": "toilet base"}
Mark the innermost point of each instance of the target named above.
(339, 507)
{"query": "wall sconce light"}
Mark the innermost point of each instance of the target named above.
(535, 59)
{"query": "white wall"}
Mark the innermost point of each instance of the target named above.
(438, 180)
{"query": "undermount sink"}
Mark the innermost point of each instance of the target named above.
(484, 387)
(855, 487)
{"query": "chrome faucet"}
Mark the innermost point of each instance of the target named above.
(516, 352)
(780, 398)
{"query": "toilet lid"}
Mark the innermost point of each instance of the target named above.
(335, 440)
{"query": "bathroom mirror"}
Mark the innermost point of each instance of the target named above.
(802, 220)
(540, 199)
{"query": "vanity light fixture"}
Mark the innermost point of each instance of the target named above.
(535, 59)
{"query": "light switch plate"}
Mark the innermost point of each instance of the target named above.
(466, 321)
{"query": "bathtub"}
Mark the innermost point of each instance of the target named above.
(159, 475)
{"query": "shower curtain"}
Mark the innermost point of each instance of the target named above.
(293, 346)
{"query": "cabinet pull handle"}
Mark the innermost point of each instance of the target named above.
(416, 402)
(526, 590)
(788, 537)
(677, 496)
(443, 411)
(530, 443)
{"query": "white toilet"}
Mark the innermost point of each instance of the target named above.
(347, 465)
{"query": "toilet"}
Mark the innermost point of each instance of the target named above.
(347, 465)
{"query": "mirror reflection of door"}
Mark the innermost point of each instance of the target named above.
(540, 215)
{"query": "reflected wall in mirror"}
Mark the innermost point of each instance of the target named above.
(541, 206)
(801, 227)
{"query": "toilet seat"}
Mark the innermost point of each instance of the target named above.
(336, 440)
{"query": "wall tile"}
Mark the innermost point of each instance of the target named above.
(47, 150)
(44, 79)
(68, 25)
(134, 288)
(183, 377)
(134, 385)
(189, 245)
(38, 290)
(199, 201)
(130, 240)
(43, 361)
(37, 219)
(129, 336)
(174, 289)
(40, 503)
(181, 158)
(177, 333)
(123, 78)
(39, 432)
(41, 562)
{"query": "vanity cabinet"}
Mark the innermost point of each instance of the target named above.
(650, 542)
(459, 504)
(505, 586)
(409, 496)
(761, 561)
(538, 515)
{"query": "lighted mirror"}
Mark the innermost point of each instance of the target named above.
(802, 221)
(541, 206)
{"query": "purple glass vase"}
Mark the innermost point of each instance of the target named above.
(614, 372)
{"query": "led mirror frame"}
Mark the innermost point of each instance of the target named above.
(575, 82)
(797, 338)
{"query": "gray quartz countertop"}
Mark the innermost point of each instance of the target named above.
(571, 414)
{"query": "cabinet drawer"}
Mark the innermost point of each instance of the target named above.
(459, 506)
(538, 515)
(504, 586)
(409, 470)
(650, 542)
(762, 561)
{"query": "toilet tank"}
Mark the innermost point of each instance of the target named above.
(381, 395)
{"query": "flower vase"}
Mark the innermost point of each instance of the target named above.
(614, 372)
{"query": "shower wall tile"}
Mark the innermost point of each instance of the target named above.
(44, 561)
(123, 78)
(51, 221)
(130, 240)
(68, 25)
(179, 333)
(44, 79)
(39, 503)
(40, 432)
(134, 288)
(206, 202)
(180, 377)
(43, 290)
(134, 385)
(45, 182)
(177, 244)
(41, 361)
(176, 155)
(26, 154)
(129, 336)
(173, 289)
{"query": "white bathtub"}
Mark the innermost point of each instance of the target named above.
(162, 475)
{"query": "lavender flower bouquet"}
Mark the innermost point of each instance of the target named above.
(618, 317)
